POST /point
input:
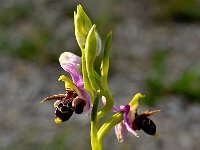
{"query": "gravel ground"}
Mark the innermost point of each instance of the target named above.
(27, 124)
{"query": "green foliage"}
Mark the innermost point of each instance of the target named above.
(59, 141)
(178, 10)
(159, 59)
(9, 16)
(186, 85)
(155, 84)
(34, 46)
(63, 139)
(26, 35)
(27, 31)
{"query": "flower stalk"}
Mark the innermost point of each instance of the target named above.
(109, 124)
(104, 78)
(95, 142)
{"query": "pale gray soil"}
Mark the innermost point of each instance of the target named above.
(27, 124)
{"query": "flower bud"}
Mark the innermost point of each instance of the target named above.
(82, 26)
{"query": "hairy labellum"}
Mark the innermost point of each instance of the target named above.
(64, 110)
(142, 122)
(148, 126)
(66, 104)
(79, 104)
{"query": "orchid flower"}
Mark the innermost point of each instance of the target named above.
(132, 121)
(76, 98)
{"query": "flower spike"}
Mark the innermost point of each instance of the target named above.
(86, 85)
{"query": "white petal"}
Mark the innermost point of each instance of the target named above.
(70, 58)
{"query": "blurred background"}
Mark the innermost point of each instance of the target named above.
(155, 50)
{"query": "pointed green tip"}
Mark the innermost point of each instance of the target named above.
(110, 33)
(93, 28)
(79, 8)
(136, 98)
(109, 36)
(62, 78)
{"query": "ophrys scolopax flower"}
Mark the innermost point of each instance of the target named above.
(76, 99)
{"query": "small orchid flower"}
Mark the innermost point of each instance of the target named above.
(132, 121)
(76, 98)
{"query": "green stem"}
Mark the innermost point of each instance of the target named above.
(96, 144)
(115, 119)
(108, 106)
(104, 76)
(97, 76)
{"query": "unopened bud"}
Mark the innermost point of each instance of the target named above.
(82, 26)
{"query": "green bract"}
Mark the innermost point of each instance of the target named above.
(90, 56)
(105, 62)
(82, 26)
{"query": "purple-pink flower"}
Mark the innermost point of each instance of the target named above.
(132, 121)
(76, 99)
